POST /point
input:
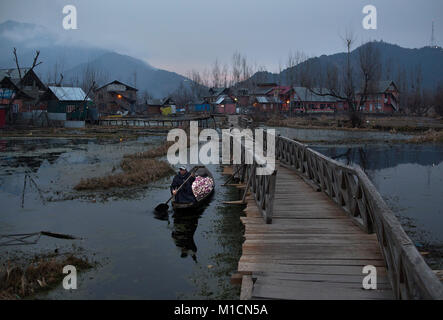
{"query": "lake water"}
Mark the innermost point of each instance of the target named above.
(144, 256)
(310, 135)
(410, 179)
(408, 176)
(141, 255)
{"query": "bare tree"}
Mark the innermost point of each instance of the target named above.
(92, 77)
(294, 59)
(225, 76)
(245, 69)
(418, 100)
(145, 96)
(438, 100)
(197, 85)
(342, 84)
(236, 67)
(216, 76)
(182, 95)
(20, 84)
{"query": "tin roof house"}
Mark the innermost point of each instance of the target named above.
(67, 103)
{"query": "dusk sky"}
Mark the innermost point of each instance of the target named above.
(180, 35)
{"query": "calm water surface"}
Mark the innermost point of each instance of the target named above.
(141, 255)
(410, 179)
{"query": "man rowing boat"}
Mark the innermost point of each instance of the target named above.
(185, 194)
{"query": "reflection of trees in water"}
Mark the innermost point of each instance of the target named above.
(350, 156)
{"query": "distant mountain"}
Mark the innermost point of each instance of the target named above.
(56, 54)
(110, 66)
(63, 56)
(398, 64)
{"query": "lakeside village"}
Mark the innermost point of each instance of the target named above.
(26, 100)
(89, 172)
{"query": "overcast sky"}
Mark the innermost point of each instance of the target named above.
(179, 35)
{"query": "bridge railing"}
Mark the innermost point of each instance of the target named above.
(350, 188)
(262, 186)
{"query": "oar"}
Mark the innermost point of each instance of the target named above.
(164, 206)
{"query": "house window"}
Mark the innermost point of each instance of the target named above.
(70, 108)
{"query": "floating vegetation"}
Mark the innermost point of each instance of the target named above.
(135, 172)
(138, 169)
(429, 136)
(159, 151)
(44, 272)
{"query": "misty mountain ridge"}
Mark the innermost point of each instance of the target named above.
(72, 59)
(113, 66)
(397, 63)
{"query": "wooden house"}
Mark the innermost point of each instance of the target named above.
(383, 97)
(304, 100)
(284, 94)
(115, 97)
(24, 87)
(225, 104)
(266, 104)
(153, 106)
(66, 103)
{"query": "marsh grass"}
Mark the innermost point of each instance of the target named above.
(428, 136)
(40, 274)
(138, 169)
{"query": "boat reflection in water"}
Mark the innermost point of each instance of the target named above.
(183, 232)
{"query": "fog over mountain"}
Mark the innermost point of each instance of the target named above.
(72, 58)
(60, 55)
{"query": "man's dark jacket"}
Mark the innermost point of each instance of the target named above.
(185, 194)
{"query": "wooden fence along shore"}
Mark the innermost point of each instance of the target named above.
(203, 122)
(313, 224)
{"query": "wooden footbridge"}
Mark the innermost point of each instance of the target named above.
(312, 224)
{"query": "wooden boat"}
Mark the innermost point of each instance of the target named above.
(202, 171)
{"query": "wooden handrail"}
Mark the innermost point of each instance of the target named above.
(261, 186)
(350, 188)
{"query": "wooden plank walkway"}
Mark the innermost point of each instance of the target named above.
(312, 250)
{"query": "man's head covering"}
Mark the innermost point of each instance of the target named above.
(182, 167)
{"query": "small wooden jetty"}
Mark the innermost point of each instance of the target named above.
(313, 224)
